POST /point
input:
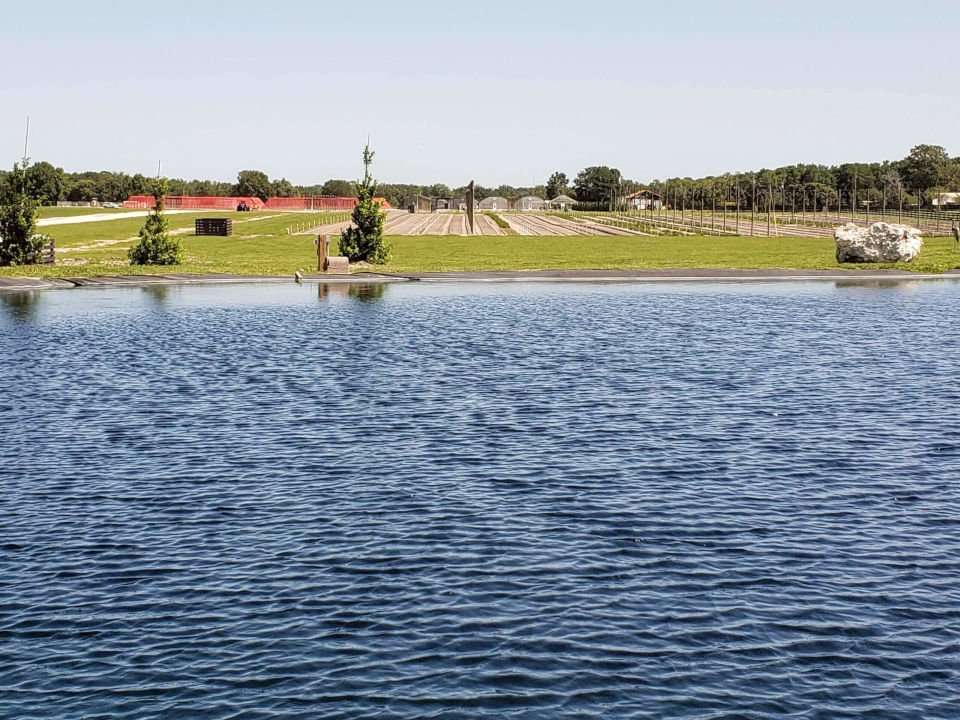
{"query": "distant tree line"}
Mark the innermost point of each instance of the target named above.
(48, 184)
(926, 171)
(920, 177)
(404, 194)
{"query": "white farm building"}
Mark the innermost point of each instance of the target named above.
(561, 202)
(495, 203)
(531, 202)
(644, 200)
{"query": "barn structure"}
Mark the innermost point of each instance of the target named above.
(561, 202)
(644, 199)
(946, 200)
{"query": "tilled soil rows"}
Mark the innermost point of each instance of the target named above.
(527, 223)
(401, 223)
(545, 224)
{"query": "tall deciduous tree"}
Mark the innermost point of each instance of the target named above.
(363, 241)
(253, 183)
(282, 188)
(45, 183)
(338, 188)
(597, 184)
(557, 185)
(155, 246)
(924, 167)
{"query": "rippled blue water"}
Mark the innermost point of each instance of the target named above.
(470, 501)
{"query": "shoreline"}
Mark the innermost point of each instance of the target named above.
(692, 275)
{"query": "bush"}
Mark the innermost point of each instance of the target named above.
(18, 219)
(155, 246)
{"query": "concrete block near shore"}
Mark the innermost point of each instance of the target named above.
(337, 264)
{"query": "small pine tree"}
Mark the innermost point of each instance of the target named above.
(18, 219)
(363, 241)
(155, 246)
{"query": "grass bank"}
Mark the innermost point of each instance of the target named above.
(261, 246)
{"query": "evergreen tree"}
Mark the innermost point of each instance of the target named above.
(155, 246)
(363, 241)
(18, 219)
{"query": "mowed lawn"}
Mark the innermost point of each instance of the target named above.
(441, 254)
(261, 246)
(59, 212)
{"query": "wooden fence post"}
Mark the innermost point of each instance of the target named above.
(323, 248)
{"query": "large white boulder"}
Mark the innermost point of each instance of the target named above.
(881, 242)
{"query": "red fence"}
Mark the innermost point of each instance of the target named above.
(320, 202)
(311, 203)
(185, 202)
(192, 202)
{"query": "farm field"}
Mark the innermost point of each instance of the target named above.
(271, 243)
(445, 223)
(787, 224)
(519, 223)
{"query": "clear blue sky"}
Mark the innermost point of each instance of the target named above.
(505, 92)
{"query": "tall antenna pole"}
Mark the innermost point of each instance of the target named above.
(158, 169)
(26, 143)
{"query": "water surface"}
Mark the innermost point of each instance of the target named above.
(468, 501)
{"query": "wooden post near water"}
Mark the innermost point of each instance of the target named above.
(323, 249)
(471, 198)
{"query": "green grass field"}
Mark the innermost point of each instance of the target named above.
(58, 212)
(439, 254)
(261, 246)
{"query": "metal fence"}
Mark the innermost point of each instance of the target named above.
(752, 209)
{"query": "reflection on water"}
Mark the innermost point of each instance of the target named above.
(22, 305)
(364, 292)
(159, 294)
(890, 284)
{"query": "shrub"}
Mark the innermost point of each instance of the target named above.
(155, 246)
(501, 223)
(18, 219)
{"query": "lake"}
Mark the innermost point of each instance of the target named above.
(523, 500)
